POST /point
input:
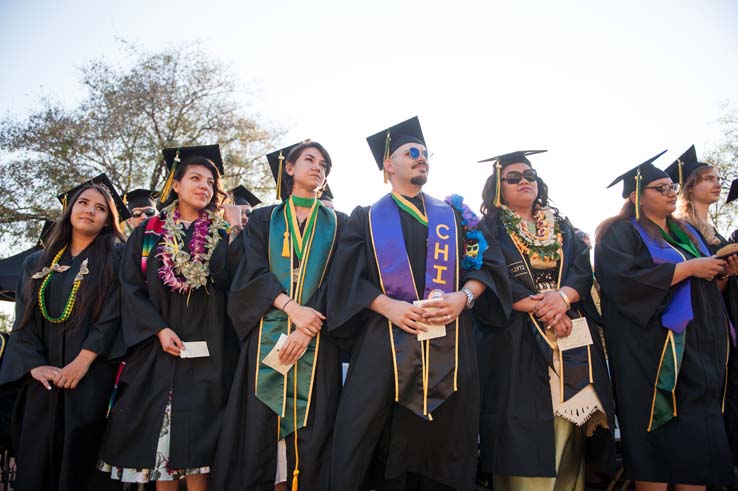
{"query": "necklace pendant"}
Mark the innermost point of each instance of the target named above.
(295, 274)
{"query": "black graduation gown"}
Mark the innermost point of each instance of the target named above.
(199, 385)
(517, 422)
(691, 448)
(57, 433)
(246, 457)
(730, 298)
(374, 437)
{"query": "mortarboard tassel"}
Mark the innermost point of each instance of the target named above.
(286, 244)
(279, 185)
(168, 183)
(497, 184)
(386, 155)
(681, 178)
(64, 203)
(638, 194)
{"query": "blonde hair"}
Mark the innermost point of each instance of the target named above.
(685, 207)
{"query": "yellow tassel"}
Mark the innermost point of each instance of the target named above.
(64, 203)
(125, 199)
(168, 183)
(294, 479)
(279, 182)
(638, 194)
(286, 245)
(681, 178)
(387, 141)
(497, 184)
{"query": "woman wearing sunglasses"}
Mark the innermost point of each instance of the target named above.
(537, 391)
(667, 336)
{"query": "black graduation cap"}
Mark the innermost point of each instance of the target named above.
(501, 161)
(326, 192)
(176, 155)
(518, 157)
(242, 196)
(384, 143)
(682, 168)
(648, 173)
(123, 213)
(276, 160)
(733, 193)
(140, 198)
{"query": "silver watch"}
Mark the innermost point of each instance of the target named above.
(469, 297)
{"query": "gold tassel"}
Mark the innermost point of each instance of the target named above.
(681, 178)
(279, 183)
(497, 184)
(386, 155)
(638, 194)
(125, 199)
(286, 244)
(64, 203)
(168, 183)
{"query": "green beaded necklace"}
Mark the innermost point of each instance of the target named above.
(72, 295)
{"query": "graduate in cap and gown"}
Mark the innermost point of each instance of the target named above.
(66, 332)
(700, 187)
(244, 201)
(538, 392)
(165, 421)
(409, 410)
(278, 423)
(667, 336)
(141, 204)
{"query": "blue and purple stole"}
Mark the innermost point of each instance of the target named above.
(675, 318)
(434, 361)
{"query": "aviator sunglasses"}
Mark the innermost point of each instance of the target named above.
(514, 177)
(415, 152)
(149, 212)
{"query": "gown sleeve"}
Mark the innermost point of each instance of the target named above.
(140, 319)
(350, 288)
(495, 304)
(254, 287)
(628, 277)
(104, 337)
(25, 350)
(579, 271)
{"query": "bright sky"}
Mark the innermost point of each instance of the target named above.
(602, 85)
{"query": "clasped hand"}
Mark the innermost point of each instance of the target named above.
(551, 310)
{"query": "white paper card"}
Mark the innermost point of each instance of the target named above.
(434, 331)
(195, 349)
(272, 359)
(579, 336)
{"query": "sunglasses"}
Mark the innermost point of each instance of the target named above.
(514, 177)
(149, 212)
(665, 189)
(415, 152)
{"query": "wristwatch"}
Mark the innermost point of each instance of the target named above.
(469, 298)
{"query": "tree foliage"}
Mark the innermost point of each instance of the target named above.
(724, 157)
(176, 97)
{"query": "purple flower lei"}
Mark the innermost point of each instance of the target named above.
(167, 272)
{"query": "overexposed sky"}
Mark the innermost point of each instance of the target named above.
(601, 85)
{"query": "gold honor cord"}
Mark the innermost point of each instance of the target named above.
(405, 205)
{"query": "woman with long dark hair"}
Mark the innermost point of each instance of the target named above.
(278, 425)
(538, 392)
(667, 336)
(67, 323)
(165, 422)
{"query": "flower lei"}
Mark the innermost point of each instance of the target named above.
(474, 241)
(546, 241)
(184, 271)
(46, 274)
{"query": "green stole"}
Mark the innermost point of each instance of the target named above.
(279, 392)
